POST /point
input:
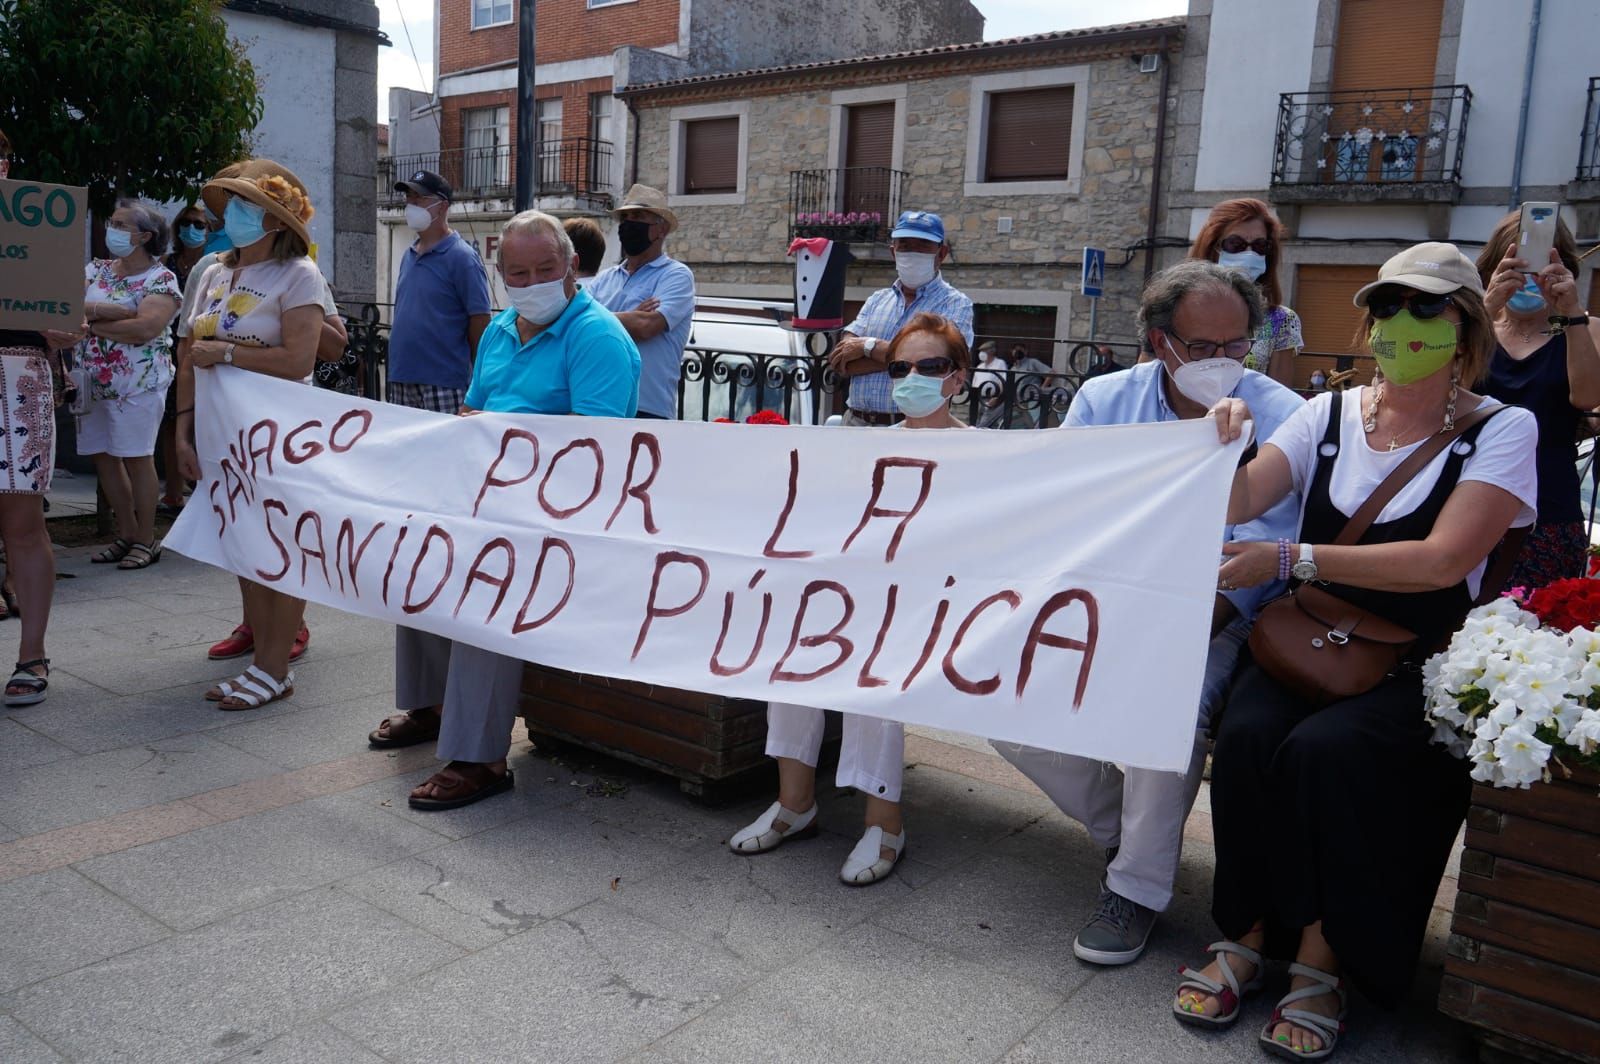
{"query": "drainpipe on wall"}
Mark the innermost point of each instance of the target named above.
(1160, 157)
(1522, 117)
(633, 154)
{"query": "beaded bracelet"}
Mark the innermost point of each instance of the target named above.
(1284, 562)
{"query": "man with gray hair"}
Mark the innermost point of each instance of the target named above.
(553, 351)
(1196, 319)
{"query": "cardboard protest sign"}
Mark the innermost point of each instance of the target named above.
(41, 255)
(1052, 588)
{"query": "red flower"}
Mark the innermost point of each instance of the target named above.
(1567, 604)
(766, 417)
(723, 421)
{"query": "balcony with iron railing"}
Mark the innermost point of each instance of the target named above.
(1387, 145)
(1586, 186)
(575, 168)
(855, 204)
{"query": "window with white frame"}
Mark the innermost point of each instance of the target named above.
(1025, 132)
(486, 138)
(708, 150)
(487, 13)
(608, 3)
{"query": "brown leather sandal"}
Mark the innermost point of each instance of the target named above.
(404, 729)
(461, 783)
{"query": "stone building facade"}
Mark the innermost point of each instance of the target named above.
(1017, 244)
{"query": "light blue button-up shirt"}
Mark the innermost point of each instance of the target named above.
(661, 356)
(584, 362)
(1135, 396)
(883, 314)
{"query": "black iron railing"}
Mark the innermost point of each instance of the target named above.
(855, 203)
(1589, 146)
(735, 384)
(579, 167)
(1404, 136)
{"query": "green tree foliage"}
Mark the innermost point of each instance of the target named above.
(129, 97)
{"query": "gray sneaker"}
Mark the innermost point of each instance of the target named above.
(1117, 932)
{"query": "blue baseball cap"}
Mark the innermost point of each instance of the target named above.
(919, 225)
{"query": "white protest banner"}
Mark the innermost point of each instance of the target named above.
(1052, 588)
(41, 255)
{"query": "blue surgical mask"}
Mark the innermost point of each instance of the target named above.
(242, 222)
(919, 396)
(119, 243)
(1527, 299)
(192, 235)
(1250, 263)
(217, 242)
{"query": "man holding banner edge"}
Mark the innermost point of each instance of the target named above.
(1196, 319)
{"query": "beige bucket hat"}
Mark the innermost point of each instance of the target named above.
(645, 198)
(268, 185)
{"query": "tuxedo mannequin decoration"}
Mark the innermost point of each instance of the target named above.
(819, 283)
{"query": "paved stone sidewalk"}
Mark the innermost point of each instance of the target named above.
(181, 884)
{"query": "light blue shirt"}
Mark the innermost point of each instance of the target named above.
(662, 356)
(885, 313)
(1135, 396)
(584, 362)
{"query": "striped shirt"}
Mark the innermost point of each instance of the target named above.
(883, 314)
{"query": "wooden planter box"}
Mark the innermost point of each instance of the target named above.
(1523, 966)
(712, 745)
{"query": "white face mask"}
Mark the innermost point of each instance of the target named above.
(915, 268)
(540, 303)
(1206, 381)
(418, 217)
(1250, 263)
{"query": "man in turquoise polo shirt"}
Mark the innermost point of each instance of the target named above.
(553, 351)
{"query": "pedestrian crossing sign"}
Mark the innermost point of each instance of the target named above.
(1094, 272)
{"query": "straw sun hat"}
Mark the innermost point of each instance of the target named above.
(267, 185)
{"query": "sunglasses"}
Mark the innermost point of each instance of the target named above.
(1386, 302)
(1235, 244)
(937, 366)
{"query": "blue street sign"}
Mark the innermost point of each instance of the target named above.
(1094, 272)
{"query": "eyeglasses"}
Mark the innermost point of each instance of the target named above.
(937, 366)
(1235, 244)
(1234, 349)
(1386, 302)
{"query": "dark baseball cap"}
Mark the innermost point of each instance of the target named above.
(426, 183)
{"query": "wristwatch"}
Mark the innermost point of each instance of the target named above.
(868, 344)
(1304, 570)
(227, 355)
(1559, 324)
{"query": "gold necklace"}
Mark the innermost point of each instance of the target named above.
(1369, 424)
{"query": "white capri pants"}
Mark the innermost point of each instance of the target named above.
(122, 428)
(872, 756)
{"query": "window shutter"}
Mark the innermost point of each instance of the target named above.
(1030, 135)
(1386, 45)
(711, 156)
(870, 137)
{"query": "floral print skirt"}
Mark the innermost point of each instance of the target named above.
(27, 421)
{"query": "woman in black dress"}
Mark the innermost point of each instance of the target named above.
(1552, 369)
(1333, 824)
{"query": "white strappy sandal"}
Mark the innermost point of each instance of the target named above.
(1327, 1028)
(761, 835)
(255, 687)
(866, 863)
(1228, 991)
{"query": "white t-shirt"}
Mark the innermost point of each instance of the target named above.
(246, 305)
(1503, 457)
(192, 289)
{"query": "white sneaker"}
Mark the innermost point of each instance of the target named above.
(761, 836)
(866, 863)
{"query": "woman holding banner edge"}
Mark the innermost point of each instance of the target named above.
(1341, 875)
(928, 361)
(31, 364)
(261, 310)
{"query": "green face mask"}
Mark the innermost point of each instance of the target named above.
(1409, 349)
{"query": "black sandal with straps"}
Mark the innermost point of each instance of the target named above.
(115, 552)
(26, 677)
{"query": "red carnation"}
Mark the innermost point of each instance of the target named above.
(766, 417)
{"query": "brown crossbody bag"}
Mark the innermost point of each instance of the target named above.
(1324, 649)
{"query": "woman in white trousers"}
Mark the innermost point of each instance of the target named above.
(928, 361)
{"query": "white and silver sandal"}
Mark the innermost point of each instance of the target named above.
(866, 863)
(761, 836)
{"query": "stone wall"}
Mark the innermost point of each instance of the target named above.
(749, 34)
(1037, 263)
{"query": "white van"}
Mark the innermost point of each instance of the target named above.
(741, 358)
